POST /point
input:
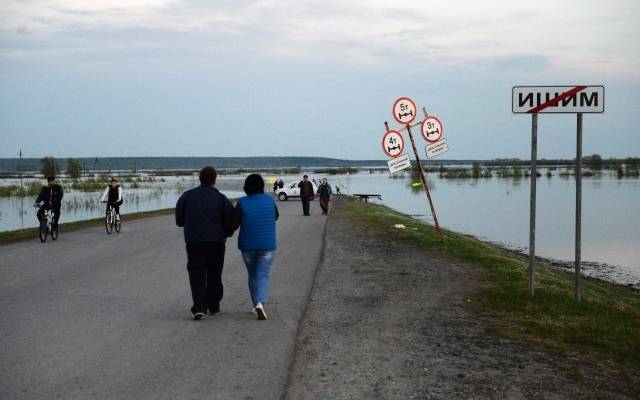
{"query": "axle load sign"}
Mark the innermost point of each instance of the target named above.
(557, 99)
(392, 143)
(404, 110)
(432, 129)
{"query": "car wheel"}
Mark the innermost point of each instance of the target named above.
(282, 196)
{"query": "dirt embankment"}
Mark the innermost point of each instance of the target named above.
(387, 320)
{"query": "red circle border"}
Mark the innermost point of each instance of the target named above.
(383, 140)
(422, 129)
(393, 110)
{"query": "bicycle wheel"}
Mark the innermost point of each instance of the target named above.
(42, 232)
(108, 224)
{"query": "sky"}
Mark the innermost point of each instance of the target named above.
(84, 78)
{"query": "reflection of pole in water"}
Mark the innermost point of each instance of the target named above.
(348, 182)
(22, 212)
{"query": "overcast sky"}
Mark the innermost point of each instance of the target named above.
(307, 78)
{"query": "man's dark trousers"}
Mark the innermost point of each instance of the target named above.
(205, 261)
(305, 205)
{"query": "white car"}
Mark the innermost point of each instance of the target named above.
(292, 190)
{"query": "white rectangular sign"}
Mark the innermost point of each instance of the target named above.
(399, 163)
(557, 99)
(437, 148)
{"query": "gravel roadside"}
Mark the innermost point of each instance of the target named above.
(387, 320)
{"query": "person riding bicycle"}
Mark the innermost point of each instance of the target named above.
(51, 198)
(113, 197)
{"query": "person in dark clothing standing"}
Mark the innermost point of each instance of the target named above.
(275, 186)
(324, 195)
(306, 194)
(51, 198)
(205, 214)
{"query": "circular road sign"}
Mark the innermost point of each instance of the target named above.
(392, 143)
(404, 110)
(432, 129)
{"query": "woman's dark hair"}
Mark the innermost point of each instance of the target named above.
(51, 178)
(253, 184)
(208, 176)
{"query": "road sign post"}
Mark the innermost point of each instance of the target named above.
(578, 249)
(404, 111)
(556, 99)
(532, 204)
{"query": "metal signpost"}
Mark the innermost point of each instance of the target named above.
(404, 111)
(536, 100)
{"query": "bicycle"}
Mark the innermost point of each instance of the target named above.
(110, 220)
(46, 225)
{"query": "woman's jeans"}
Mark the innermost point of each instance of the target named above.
(258, 266)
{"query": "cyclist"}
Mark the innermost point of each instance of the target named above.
(51, 198)
(113, 196)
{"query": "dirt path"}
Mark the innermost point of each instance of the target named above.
(386, 321)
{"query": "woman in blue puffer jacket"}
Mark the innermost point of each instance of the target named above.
(256, 215)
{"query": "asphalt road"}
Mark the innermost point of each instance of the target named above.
(97, 316)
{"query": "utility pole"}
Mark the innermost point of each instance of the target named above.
(20, 168)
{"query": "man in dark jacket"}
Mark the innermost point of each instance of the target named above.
(205, 214)
(306, 194)
(51, 198)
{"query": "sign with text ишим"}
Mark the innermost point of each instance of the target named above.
(557, 99)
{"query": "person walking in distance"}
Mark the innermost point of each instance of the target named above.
(256, 215)
(205, 214)
(275, 186)
(324, 195)
(306, 194)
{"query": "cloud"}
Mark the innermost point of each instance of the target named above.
(574, 37)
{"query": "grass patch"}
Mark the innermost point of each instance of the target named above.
(32, 233)
(27, 190)
(605, 326)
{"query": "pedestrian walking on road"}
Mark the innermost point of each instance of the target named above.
(275, 186)
(205, 214)
(256, 215)
(324, 195)
(306, 194)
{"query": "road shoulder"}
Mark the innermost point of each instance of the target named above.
(387, 319)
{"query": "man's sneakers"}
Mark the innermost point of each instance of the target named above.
(259, 309)
(198, 316)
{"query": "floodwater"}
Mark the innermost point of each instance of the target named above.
(492, 209)
(19, 213)
(497, 210)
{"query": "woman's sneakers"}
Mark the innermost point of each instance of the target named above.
(259, 309)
